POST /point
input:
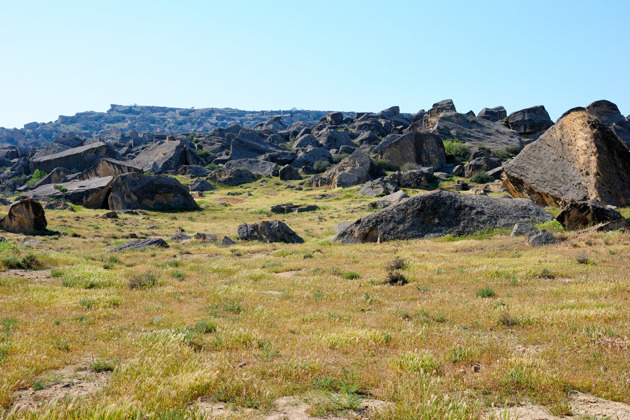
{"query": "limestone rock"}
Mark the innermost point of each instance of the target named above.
(578, 159)
(268, 231)
(201, 185)
(138, 244)
(75, 159)
(288, 173)
(440, 213)
(356, 169)
(521, 229)
(136, 191)
(26, 216)
(76, 192)
(541, 238)
(256, 166)
(582, 214)
(390, 200)
(232, 177)
(167, 156)
(421, 148)
(108, 167)
(530, 120)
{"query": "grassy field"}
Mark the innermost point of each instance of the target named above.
(471, 323)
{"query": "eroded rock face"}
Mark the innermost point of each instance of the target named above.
(268, 231)
(27, 217)
(75, 159)
(530, 120)
(76, 192)
(138, 244)
(136, 191)
(421, 148)
(440, 213)
(356, 169)
(578, 159)
(232, 177)
(108, 167)
(256, 166)
(167, 156)
(582, 214)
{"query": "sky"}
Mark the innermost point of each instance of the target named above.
(63, 57)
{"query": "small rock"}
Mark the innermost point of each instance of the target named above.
(541, 238)
(521, 229)
(268, 231)
(110, 215)
(292, 208)
(206, 237)
(178, 237)
(137, 244)
(226, 241)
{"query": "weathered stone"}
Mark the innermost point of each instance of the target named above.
(76, 192)
(292, 208)
(622, 224)
(311, 156)
(232, 177)
(306, 141)
(26, 217)
(110, 215)
(497, 114)
(333, 139)
(178, 237)
(256, 166)
(205, 237)
(137, 191)
(193, 171)
(56, 176)
(288, 173)
(530, 120)
(139, 244)
(168, 156)
(268, 231)
(417, 178)
(356, 169)
(248, 146)
(421, 148)
(481, 164)
(390, 200)
(608, 113)
(381, 186)
(440, 213)
(108, 167)
(75, 159)
(59, 205)
(475, 132)
(334, 118)
(578, 159)
(227, 241)
(541, 238)
(522, 229)
(202, 185)
(582, 214)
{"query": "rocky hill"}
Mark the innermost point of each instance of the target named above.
(146, 119)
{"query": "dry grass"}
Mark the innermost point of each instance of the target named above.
(197, 320)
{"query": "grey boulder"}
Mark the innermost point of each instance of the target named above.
(268, 231)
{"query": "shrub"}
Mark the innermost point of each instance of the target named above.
(396, 278)
(456, 150)
(351, 275)
(339, 157)
(142, 281)
(486, 292)
(396, 264)
(321, 166)
(481, 177)
(37, 175)
(386, 165)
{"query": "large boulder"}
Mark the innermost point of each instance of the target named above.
(578, 159)
(139, 244)
(311, 156)
(530, 120)
(496, 114)
(608, 113)
(26, 217)
(441, 213)
(421, 148)
(201, 185)
(137, 191)
(481, 164)
(268, 231)
(250, 146)
(108, 167)
(355, 169)
(76, 192)
(381, 186)
(168, 156)
(256, 166)
(475, 132)
(289, 172)
(333, 139)
(55, 176)
(75, 159)
(582, 214)
(232, 177)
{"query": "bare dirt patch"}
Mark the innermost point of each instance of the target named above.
(33, 275)
(71, 382)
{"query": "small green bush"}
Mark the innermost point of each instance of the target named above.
(351, 275)
(142, 281)
(37, 175)
(321, 166)
(339, 157)
(481, 177)
(456, 150)
(486, 292)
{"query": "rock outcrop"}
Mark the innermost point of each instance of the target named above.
(75, 159)
(268, 231)
(578, 159)
(256, 166)
(420, 148)
(232, 177)
(530, 120)
(108, 167)
(137, 191)
(357, 168)
(166, 157)
(441, 213)
(582, 214)
(26, 216)
(76, 192)
(139, 244)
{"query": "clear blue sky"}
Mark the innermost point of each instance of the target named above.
(63, 57)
